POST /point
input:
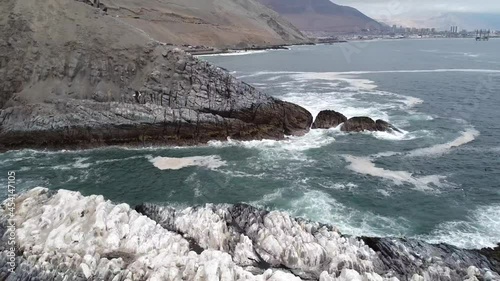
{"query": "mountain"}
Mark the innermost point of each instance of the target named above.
(72, 76)
(221, 23)
(322, 16)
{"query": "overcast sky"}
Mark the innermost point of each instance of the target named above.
(418, 8)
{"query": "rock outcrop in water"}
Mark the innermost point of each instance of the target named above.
(72, 76)
(359, 124)
(328, 119)
(66, 236)
(386, 126)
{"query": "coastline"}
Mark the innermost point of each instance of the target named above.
(207, 51)
(235, 50)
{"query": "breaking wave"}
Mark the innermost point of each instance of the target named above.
(481, 229)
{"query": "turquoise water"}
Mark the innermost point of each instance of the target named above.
(438, 181)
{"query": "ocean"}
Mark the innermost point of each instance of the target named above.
(438, 180)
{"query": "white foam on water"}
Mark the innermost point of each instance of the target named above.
(365, 166)
(392, 136)
(412, 101)
(360, 83)
(384, 192)
(313, 139)
(233, 53)
(339, 186)
(262, 73)
(319, 206)
(268, 198)
(435, 150)
(467, 136)
(495, 149)
(342, 102)
(25, 169)
(174, 163)
(481, 229)
(441, 70)
(78, 164)
(345, 99)
(194, 182)
(240, 174)
(357, 83)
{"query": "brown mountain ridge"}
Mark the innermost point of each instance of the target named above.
(216, 23)
(322, 16)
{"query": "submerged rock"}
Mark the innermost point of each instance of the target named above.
(66, 236)
(359, 124)
(327, 119)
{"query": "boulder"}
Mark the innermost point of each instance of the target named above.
(328, 119)
(359, 124)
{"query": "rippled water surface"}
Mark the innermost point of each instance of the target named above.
(438, 180)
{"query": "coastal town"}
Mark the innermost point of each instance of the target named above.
(400, 32)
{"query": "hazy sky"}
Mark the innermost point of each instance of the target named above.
(388, 8)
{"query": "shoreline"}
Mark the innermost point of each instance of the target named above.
(231, 50)
(207, 51)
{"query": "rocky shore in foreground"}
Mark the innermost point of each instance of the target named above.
(62, 235)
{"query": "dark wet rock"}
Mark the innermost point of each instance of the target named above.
(408, 255)
(359, 124)
(493, 256)
(386, 126)
(327, 119)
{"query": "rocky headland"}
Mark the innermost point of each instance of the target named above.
(63, 235)
(73, 76)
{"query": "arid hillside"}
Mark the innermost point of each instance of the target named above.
(322, 16)
(220, 23)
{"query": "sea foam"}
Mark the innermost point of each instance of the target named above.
(364, 165)
(173, 163)
(480, 230)
(234, 53)
(439, 149)
(320, 206)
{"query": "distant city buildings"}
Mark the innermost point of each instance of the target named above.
(401, 32)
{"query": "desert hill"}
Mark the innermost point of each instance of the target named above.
(219, 23)
(322, 16)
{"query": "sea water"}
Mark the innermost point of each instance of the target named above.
(437, 180)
